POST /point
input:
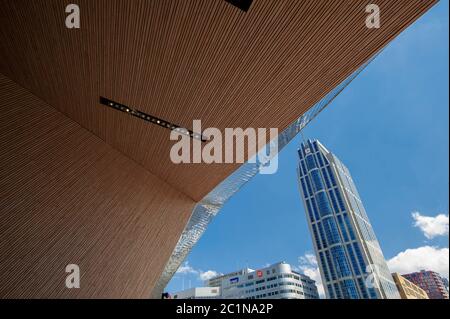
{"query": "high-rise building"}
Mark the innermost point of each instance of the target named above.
(407, 289)
(431, 282)
(351, 262)
(277, 281)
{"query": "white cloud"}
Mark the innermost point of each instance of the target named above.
(308, 259)
(431, 226)
(416, 259)
(308, 266)
(187, 269)
(208, 274)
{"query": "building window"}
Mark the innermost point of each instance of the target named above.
(315, 147)
(322, 235)
(319, 157)
(359, 255)
(308, 185)
(317, 180)
(323, 204)
(362, 287)
(330, 265)
(331, 231)
(305, 192)
(314, 207)
(372, 293)
(333, 200)
(316, 237)
(330, 173)
(325, 176)
(338, 291)
(309, 210)
(304, 167)
(310, 162)
(339, 199)
(340, 260)
(349, 289)
(324, 266)
(349, 226)
(353, 259)
(342, 227)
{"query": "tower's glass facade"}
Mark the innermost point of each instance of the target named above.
(351, 262)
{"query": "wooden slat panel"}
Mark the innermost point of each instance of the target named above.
(68, 197)
(190, 59)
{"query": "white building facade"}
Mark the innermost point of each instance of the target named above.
(277, 281)
(198, 293)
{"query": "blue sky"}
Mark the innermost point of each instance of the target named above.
(390, 128)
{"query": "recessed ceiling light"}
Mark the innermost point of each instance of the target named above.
(150, 118)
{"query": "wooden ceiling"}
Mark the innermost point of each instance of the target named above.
(181, 60)
(66, 197)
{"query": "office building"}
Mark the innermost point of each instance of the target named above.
(431, 282)
(407, 289)
(88, 183)
(351, 262)
(278, 281)
(198, 293)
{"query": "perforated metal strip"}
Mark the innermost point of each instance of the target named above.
(151, 119)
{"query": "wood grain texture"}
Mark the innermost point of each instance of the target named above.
(190, 59)
(67, 197)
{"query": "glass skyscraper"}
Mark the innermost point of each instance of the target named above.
(351, 262)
